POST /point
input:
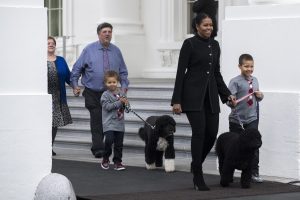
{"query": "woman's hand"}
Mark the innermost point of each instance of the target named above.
(232, 101)
(177, 109)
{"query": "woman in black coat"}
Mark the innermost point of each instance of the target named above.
(198, 86)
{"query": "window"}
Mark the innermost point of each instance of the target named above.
(54, 17)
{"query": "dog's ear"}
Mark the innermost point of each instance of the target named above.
(250, 139)
(171, 121)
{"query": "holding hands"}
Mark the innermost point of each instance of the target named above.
(232, 101)
(76, 91)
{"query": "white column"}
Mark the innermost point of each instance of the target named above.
(123, 15)
(171, 26)
(25, 128)
(257, 30)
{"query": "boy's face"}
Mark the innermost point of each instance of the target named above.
(247, 67)
(111, 83)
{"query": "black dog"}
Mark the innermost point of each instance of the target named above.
(159, 141)
(236, 151)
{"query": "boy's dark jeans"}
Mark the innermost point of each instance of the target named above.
(234, 127)
(113, 138)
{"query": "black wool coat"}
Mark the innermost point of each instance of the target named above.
(198, 71)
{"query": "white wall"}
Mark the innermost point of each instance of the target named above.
(25, 128)
(271, 35)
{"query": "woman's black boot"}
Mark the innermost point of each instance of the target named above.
(199, 183)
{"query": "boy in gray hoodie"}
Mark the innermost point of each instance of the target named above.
(113, 102)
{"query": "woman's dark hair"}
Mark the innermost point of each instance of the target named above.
(244, 57)
(198, 20)
(52, 38)
(104, 25)
(110, 74)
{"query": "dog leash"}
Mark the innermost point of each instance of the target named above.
(238, 117)
(129, 109)
(235, 111)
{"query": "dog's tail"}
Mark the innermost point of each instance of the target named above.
(142, 133)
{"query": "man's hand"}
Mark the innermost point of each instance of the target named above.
(76, 91)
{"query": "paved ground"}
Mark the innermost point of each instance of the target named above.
(132, 158)
(136, 183)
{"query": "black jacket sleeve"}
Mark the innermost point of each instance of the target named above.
(183, 63)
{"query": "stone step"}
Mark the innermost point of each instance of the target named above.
(147, 97)
(181, 131)
(83, 114)
(85, 140)
(141, 93)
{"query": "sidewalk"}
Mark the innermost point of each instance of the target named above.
(136, 159)
(91, 182)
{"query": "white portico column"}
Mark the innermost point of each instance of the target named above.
(25, 106)
(165, 22)
(123, 15)
(128, 32)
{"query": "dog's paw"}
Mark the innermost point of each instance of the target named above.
(169, 165)
(150, 166)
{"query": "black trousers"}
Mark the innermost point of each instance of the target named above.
(205, 125)
(92, 103)
(234, 127)
(114, 138)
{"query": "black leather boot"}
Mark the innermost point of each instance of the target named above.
(198, 180)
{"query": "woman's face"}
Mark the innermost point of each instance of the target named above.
(205, 27)
(51, 46)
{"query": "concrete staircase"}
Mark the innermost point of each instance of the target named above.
(147, 97)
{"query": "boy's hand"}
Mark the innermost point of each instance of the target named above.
(259, 94)
(124, 100)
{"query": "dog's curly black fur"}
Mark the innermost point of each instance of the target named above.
(165, 126)
(236, 151)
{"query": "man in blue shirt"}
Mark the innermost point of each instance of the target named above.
(95, 59)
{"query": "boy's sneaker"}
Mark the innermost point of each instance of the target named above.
(105, 164)
(119, 166)
(257, 179)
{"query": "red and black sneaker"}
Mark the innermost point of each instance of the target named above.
(105, 163)
(119, 166)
